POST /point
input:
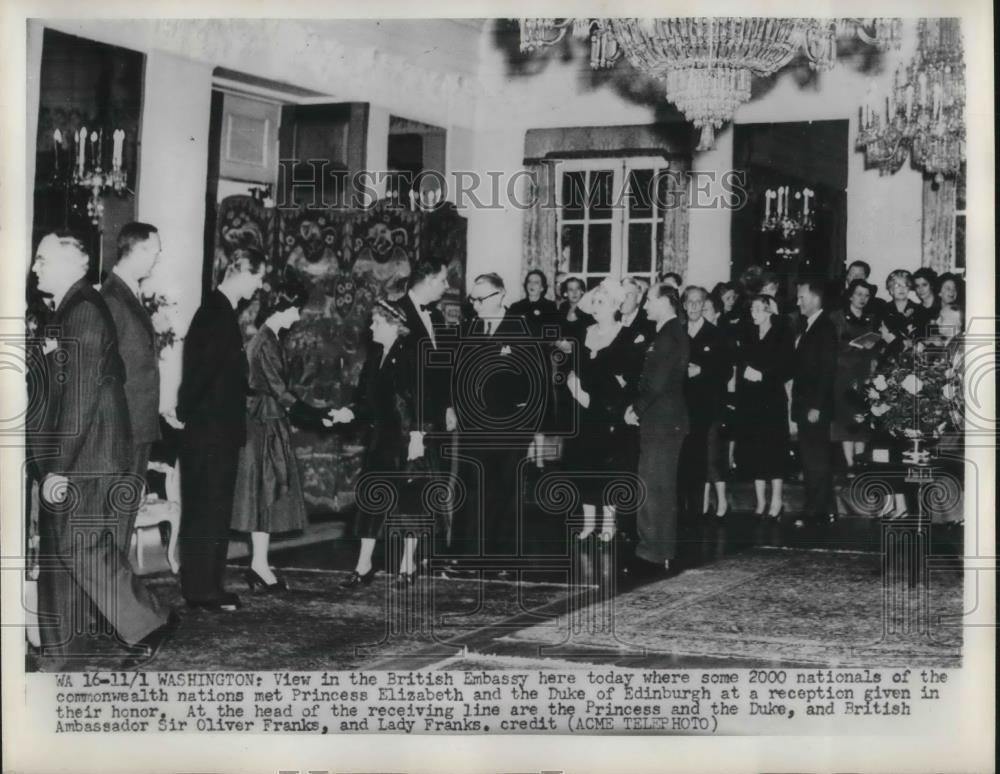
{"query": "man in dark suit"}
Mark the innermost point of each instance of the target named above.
(705, 395)
(83, 456)
(211, 403)
(428, 283)
(138, 251)
(813, 373)
(662, 416)
(500, 392)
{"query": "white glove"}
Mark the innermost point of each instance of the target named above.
(416, 449)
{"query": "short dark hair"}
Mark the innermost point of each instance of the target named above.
(672, 275)
(864, 265)
(814, 286)
(253, 258)
(132, 234)
(724, 287)
(927, 273)
(541, 275)
(425, 268)
(564, 285)
(860, 283)
(750, 279)
(716, 302)
(286, 296)
(665, 290)
(765, 298)
(492, 278)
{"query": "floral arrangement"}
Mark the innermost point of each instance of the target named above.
(160, 310)
(912, 396)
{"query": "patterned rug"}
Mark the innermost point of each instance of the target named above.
(805, 607)
(316, 625)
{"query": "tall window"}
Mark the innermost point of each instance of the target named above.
(610, 217)
(958, 249)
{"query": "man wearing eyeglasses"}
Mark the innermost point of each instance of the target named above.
(499, 391)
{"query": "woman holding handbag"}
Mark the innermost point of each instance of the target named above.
(384, 402)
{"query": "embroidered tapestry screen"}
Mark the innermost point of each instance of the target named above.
(347, 259)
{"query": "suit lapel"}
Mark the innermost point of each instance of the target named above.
(133, 301)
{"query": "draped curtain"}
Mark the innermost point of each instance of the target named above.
(938, 240)
(674, 227)
(540, 224)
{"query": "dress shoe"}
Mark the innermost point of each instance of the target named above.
(405, 579)
(357, 579)
(151, 643)
(777, 516)
(224, 601)
(253, 580)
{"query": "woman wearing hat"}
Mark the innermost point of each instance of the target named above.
(384, 402)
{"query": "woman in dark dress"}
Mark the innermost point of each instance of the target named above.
(854, 365)
(900, 316)
(384, 403)
(601, 445)
(268, 494)
(925, 287)
(537, 310)
(573, 320)
(762, 439)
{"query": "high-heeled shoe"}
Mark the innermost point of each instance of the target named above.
(356, 579)
(253, 579)
(777, 516)
(406, 579)
(724, 513)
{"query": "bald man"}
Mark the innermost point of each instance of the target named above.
(82, 456)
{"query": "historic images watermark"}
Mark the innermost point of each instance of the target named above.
(316, 183)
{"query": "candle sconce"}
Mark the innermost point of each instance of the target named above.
(87, 151)
(778, 214)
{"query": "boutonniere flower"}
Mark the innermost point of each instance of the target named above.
(49, 346)
(707, 348)
(505, 349)
(639, 339)
(911, 384)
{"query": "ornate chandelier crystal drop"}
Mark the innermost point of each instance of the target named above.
(925, 109)
(706, 63)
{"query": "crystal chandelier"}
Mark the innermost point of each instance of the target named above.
(925, 109)
(706, 63)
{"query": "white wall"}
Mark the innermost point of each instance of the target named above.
(883, 213)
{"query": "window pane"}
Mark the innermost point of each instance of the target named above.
(640, 193)
(640, 247)
(960, 242)
(572, 249)
(574, 194)
(593, 281)
(599, 248)
(601, 182)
